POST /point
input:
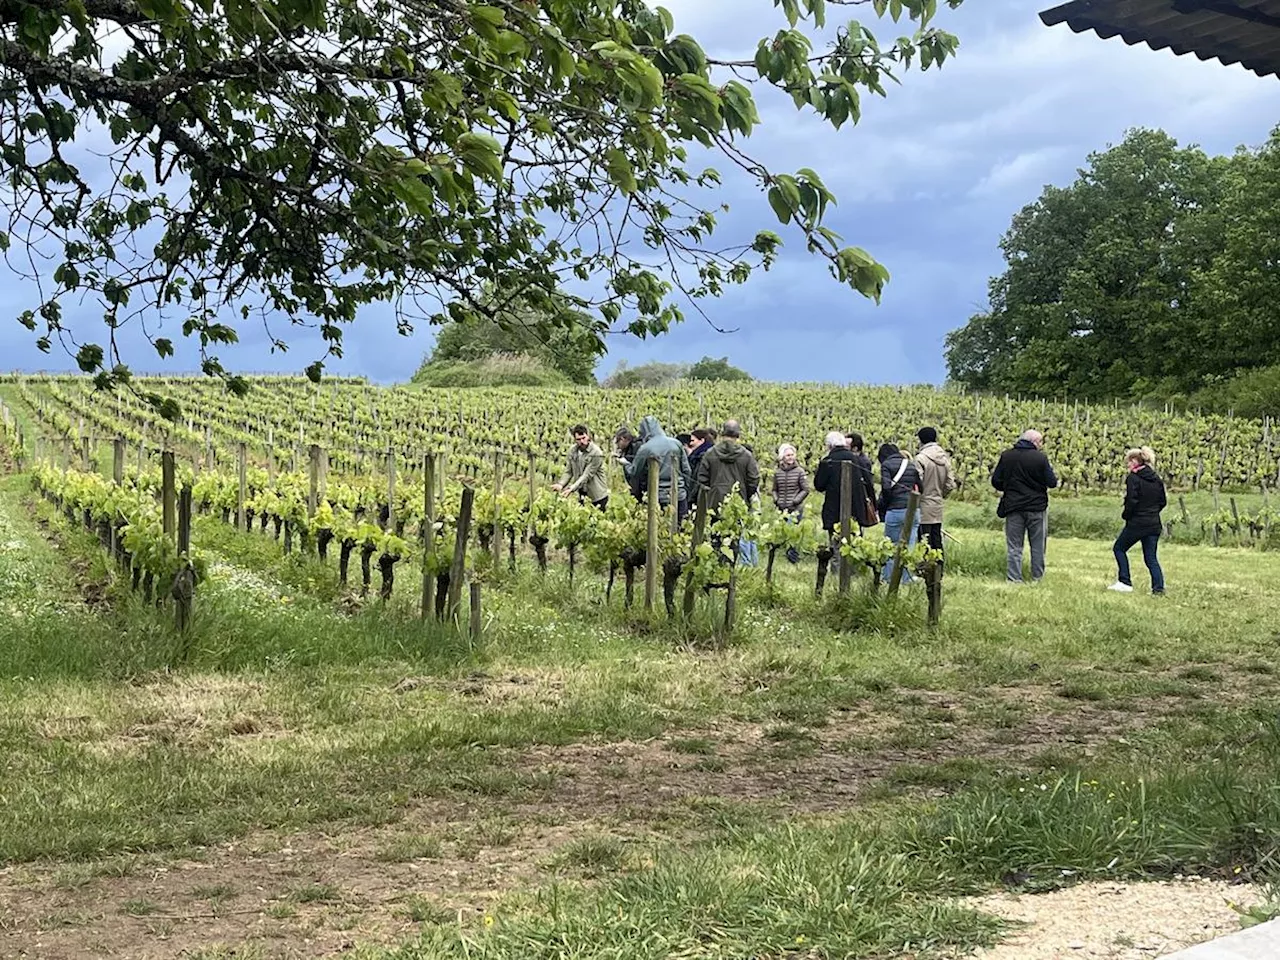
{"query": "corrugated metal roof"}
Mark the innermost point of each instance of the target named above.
(1246, 32)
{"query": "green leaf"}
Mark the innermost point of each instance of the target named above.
(620, 171)
(779, 204)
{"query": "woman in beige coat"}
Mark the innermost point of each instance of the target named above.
(937, 482)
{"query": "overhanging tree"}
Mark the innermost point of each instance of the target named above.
(300, 158)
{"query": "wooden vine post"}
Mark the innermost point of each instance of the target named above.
(699, 535)
(391, 490)
(184, 585)
(315, 474)
(428, 530)
(846, 522)
(495, 544)
(459, 565)
(117, 478)
(168, 495)
(242, 481)
(674, 493)
(533, 493)
(913, 506)
(477, 618)
(933, 586)
(86, 460)
(651, 551)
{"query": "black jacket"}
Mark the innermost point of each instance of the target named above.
(1024, 476)
(1144, 498)
(862, 460)
(695, 458)
(826, 480)
(894, 496)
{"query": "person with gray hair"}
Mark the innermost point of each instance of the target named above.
(1024, 478)
(826, 480)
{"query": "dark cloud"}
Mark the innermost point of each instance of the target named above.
(927, 182)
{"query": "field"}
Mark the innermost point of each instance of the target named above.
(305, 772)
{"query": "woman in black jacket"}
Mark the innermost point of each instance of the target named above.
(1144, 498)
(898, 477)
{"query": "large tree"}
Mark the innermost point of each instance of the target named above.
(301, 158)
(1102, 294)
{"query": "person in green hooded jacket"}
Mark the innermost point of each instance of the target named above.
(727, 463)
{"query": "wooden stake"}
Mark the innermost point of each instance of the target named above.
(651, 562)
(184, 584)
(391, 490)
(459, 566)
(313, 487)
(428, 530)
(242, 479)
(846, 521)
(168, 495)
(495, 543)
(699, 534)
(477, 619)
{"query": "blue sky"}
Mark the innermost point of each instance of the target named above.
(927, 182)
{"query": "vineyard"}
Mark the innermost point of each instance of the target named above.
(338, 660)
(397, 476)
(457, 484)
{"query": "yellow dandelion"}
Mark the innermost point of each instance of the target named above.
(488, 920)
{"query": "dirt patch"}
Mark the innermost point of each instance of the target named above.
(318, 893)
(303, 895)
(1119, 921)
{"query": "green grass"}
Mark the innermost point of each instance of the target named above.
(1040, 736)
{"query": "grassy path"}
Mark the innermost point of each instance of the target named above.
(35, 581)
(319, 774)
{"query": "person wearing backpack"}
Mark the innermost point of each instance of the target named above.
(899, 476)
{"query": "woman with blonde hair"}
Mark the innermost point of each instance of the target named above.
(1144, 498)
(790, 490)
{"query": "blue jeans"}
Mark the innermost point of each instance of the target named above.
(748, 553)
(1150, 542)
(894, 520)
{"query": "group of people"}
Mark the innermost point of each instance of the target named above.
(718, 461)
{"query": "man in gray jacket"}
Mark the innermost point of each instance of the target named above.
(937, 482)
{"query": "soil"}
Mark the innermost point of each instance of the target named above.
(1116, 920)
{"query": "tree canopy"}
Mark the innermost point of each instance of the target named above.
(227, 161)
(511, 329)
(1155, 274)
(716, 369)
(646, 375)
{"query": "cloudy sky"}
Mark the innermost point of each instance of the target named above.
(927, 182)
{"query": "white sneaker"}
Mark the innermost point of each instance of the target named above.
(1119, 587)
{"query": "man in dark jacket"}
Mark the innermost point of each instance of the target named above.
(1024, 477)
(625, 447)
(656, 445)
(826, 480)
(727, 463)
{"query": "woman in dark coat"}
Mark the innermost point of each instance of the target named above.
(898, 477)
(1144, 498)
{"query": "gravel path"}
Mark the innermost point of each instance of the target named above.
(1117, 920)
